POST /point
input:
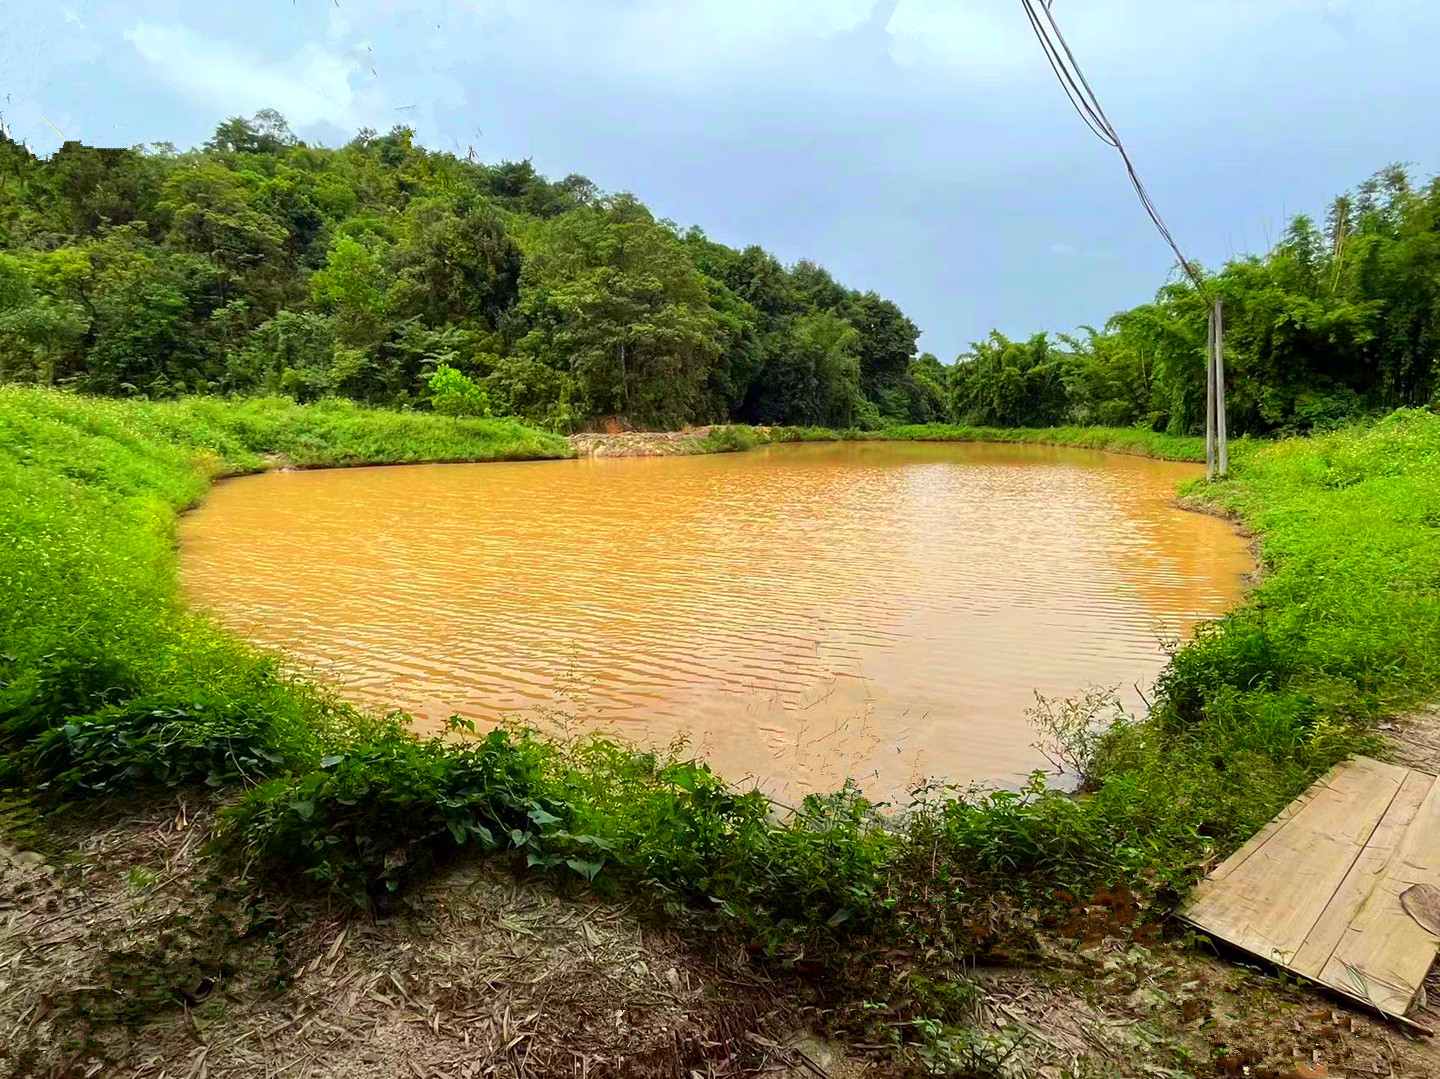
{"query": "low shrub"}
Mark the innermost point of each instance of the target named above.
(156, 742)
(370, 820)
(693, 839)
(729, 439)
(455, 394)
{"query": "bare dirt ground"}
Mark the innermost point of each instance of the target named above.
(1175, 1012)
(119, 961)
(639, 443)
(1415, 739)
(122, 955)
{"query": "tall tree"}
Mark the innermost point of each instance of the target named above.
(611, 296)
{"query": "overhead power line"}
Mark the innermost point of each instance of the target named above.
(1072, 80)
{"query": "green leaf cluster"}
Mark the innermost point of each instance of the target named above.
(383, 812)
(452, 394)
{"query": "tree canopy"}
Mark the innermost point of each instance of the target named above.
(258, 264)
(1333, 322)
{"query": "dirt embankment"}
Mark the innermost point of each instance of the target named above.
(640, 443)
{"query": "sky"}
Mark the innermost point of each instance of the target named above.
(920, 148)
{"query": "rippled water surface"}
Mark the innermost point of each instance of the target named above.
(799, 613)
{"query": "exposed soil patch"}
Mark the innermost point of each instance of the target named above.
(1415, 739)
(641, 443)
(120, 961)
(1172, 1012)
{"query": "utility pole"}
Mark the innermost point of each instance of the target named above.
(1210, 397)
(1222, 433)
(1217, 442)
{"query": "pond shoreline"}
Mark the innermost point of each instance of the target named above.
(731, 659)
(888, 921)
(730, 438)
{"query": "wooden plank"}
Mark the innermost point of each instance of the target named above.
(1241, 856)
(1384, 954)
(1267, 901)
(1375, 860)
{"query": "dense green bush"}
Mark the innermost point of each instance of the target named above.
(452, 394)
(730, 439)
(729, 853)
(1333, 323)
(377, 815)
(143, 742)
(259, 265)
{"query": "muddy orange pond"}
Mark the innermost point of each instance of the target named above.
(796, 614)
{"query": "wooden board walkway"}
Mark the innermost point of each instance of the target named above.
(1318, 890)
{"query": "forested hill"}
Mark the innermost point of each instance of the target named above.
(1336, 321)
(258, 264)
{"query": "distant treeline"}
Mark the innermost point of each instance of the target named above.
(393, 275)
(258, 264)
(1331, 324)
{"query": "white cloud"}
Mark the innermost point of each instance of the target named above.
(312, 86)
(713, 26)
(731, 24)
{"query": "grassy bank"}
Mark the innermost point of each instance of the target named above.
(108, 684)
(105, 679)
(1136, 441)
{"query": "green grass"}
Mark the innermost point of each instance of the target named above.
(105, 678)
(244, 435)
(1345, 628)
(1135, 441)
(1132, 440)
